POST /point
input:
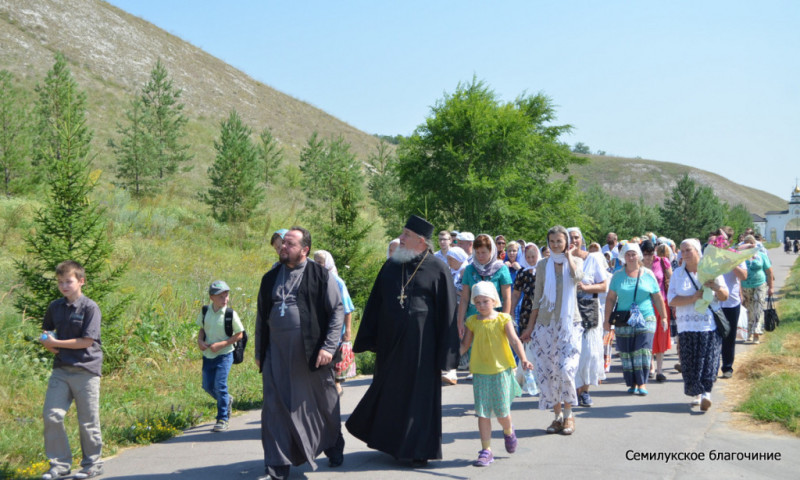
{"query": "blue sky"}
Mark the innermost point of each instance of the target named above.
(712, 84)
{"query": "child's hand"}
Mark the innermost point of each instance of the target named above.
(526, 365)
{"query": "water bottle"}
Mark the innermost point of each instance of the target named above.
(48, 333)
(530, 383)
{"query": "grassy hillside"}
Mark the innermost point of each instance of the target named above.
(633, 177)
(111, 54)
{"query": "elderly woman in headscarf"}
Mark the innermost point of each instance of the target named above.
(457, 261)
(324, 258)
(555, 329)
(634, 288)
(700, 343)
(485, 267)
(756, 288)
(392, 247)
(595, 283)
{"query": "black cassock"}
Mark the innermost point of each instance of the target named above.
(401, 413)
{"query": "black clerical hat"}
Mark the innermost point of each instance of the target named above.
(420, 226)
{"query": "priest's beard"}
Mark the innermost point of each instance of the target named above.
(403, 255)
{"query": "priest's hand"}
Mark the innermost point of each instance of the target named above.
(323, 358)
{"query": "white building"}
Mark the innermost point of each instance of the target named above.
(777, 225)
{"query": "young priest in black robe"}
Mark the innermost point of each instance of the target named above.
(410, 323)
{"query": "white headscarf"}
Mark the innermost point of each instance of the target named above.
(485, 289)
(458, 254)
(330, 265)
(694, 243)
(492, 266)
(568, 288)
(583, 239)
(524, 262)
(396, 241)
(630, 246)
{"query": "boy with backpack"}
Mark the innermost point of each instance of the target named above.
(217, 346)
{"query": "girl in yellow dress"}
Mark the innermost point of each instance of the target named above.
(492, 365)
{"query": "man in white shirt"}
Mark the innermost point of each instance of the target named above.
(444, 246)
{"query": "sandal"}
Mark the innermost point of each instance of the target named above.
(556, 427)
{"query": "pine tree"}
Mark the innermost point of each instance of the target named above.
(135, 169)
(691, 211)
(384, 187)
(334, 187)
(165, 121)
(235, 174)
(70, 225)
(271, 155)
(14, 138)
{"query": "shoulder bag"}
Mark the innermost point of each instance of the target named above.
(620, 317)
(720, 320)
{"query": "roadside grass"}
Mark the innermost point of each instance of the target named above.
(773, 371)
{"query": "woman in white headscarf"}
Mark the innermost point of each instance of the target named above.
(457, 261)
(392, 247)
(324, 258)
(701, 346)
(555, 329)
(633, 288)
(595, 283)
(525, 284)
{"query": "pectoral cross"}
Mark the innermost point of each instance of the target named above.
(283, 308)
(402, 296)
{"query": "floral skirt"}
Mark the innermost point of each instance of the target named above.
(494, 393)
(557, 354)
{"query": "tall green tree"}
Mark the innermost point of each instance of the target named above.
(236, 188)
(481, 164)
(59, 99)
(271, 155)
(738, 218)
(70, 225)
(334, 187)
(384, 187)
(15, 141)
(691, 211)
(165, 121)
(135, 152)
(605, 213)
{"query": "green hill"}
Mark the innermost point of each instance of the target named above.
(634, 177)
(111, 54)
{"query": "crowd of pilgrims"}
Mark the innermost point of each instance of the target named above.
(553, 304)
(538, 319)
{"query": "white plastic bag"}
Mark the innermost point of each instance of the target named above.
(741, 326)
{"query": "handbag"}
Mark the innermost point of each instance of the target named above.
(720, 320)
(590, 312)
(620, 317)
(771, 320)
